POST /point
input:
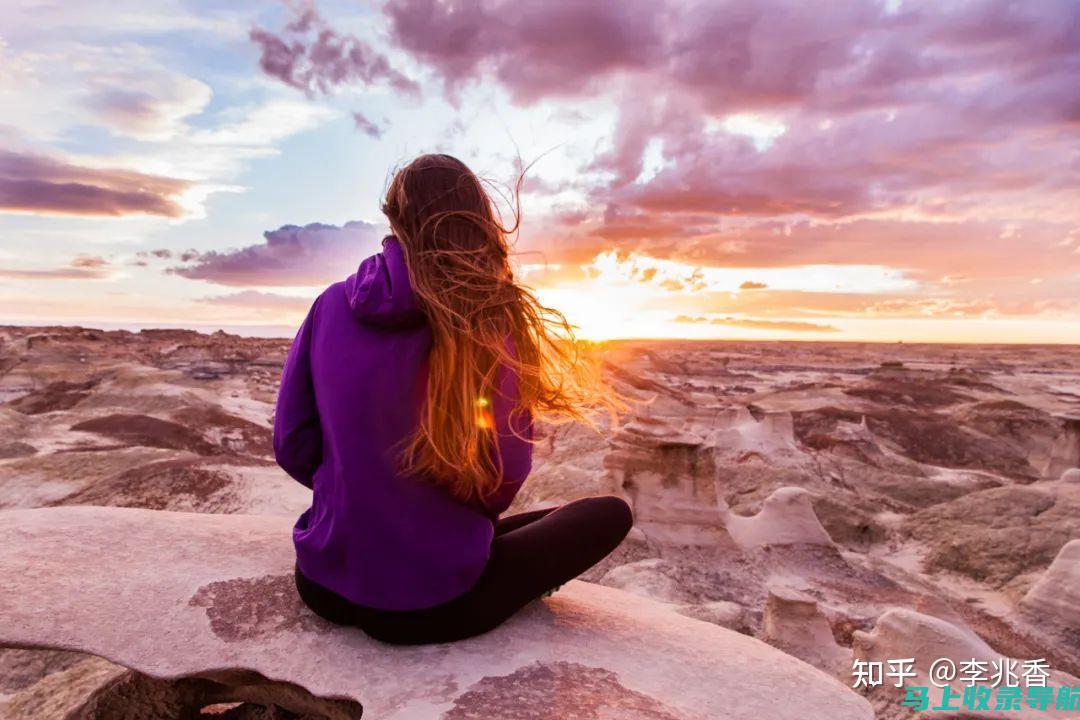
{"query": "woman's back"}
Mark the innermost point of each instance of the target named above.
(351, 395)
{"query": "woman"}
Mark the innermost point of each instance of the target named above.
(407, 402)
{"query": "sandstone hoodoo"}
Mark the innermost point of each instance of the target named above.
(794, 624)
(787, 517)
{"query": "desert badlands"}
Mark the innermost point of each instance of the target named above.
(802, 510)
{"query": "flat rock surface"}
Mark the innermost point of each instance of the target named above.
(182, 594)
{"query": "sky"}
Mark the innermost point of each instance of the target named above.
(883, 170)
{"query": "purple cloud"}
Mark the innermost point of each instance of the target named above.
(35, 183)
(366, 126)
(945, 110)
(534, 48)
(742, 54)
(125, 107)
(311, 56)
(311, 255)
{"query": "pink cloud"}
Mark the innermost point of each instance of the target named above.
(82, 267)
(944, 109)
(757, 323)
(535, 48)
(35, 183)
(925, 250)
(743, 54)
(125, 107)
(311, 56)
(263, 301)
(931, 302)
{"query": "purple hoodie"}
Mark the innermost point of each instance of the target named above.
(351, 391)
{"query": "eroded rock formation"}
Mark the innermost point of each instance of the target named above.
(905, 633)
(793, 623)
(1054, 600)
(787, 517)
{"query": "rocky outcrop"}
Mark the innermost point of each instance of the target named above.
(651, 578)
(793, 623)
(743, 433)
(939, 438)
(668, 460)
(202, 609)
(994, 535)
(1054, 600)
(20, 668)
(787, 517)
(146, 431)
(1026, 431)
(1065, 452)
(667, 475)
(727, 614)
(61, 693)
(905, 633)
(16, 450)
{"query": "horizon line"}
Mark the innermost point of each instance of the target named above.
(238, 331)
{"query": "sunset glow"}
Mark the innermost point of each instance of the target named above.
(856, 170)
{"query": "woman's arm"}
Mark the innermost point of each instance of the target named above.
(514, 432)
(297, 432)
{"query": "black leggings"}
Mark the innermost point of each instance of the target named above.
(532, 553)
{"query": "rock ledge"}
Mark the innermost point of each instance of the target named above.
(203, 609)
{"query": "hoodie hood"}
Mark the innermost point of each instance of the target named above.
(379, 293)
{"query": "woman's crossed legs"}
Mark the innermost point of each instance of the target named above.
(532, 553)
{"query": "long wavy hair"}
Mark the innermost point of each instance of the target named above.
(457, 251)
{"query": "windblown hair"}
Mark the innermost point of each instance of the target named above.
(483, 323)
